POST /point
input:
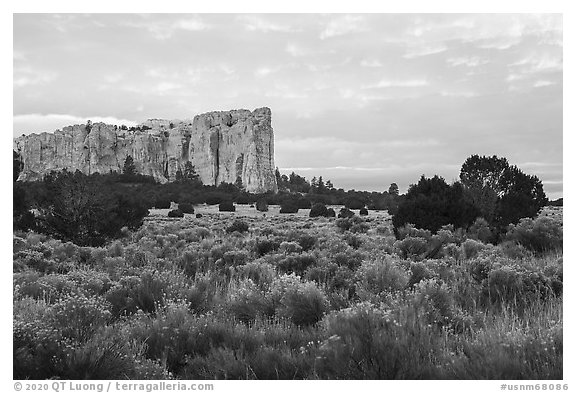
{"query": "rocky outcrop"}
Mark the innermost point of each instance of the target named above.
(222, 146)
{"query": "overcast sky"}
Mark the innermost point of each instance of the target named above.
(363, 100)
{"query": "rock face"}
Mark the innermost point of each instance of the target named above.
(222, 146)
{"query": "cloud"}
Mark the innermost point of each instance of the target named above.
(37, 123)
(543, 83)
(371, 63)
(26, 76)
(425, 50)
(165, 29)
(385, 83)
(342, 25)
(296, 51)
(472, 61)
(259, 24)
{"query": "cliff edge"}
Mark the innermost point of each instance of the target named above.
(223, 147)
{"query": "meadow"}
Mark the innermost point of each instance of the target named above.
(252, 295)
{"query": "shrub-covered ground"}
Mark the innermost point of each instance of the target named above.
(252, 295)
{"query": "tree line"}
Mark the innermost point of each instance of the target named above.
(90, 209)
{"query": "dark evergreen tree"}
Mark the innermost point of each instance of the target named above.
(502, 193)
(432, 203)
(393, 189)
(129, 169)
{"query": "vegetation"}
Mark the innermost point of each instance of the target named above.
(441, 291)
(222, 297)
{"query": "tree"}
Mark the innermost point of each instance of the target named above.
(84, 210)
(432, 203)
(393, 189)
(321, 188)
(129, 167)
(502, 193)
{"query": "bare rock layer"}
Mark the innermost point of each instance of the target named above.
(222, 146)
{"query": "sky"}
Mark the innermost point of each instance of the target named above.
(361, 99)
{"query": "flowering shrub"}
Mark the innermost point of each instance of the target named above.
(539, 235)
(302, 303)
(383, 275)
(78, 317)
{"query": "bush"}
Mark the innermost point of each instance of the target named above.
(481, 231)
(432, 203)
(411, 247)
(368, 342)
(186, 208)
(539, 235)
(303, 203)
(345, 213)
(78, 317)
(352, 224)
(226, 206)
(162, 203)
(363, 211)
(376, 277)
(288, 206)
(297, 264)
(176, 213)
(266, 246)
(471, 248)
(330, 213)
(238, 226)
(319, 210)
(303, 303)
(198, 215)
(262, 205)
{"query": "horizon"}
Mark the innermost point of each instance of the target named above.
(363, 100)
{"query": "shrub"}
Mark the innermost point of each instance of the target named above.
(319, 210)
(226, 206)
(238, 226)
(363, 211)
(78, 317)
(410, 230)
(471, 248)
(330, 212)
(481, 231)
(345, 213)
(265, 246)
(368, 342)
(198, 215)
(382, 275)
(539, 235)
(288, 206)
(176, 213)
(303, 303)
(289, 248)
(303, 203)
(354, 203)
(419, 272)
(438, 303)
(352, 224)
(411, 247)
(186, 208)
(162, 203)
(296, 264)
(262, 205)
(246, 302)
(307, 242)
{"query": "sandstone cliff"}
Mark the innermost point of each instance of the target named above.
(223, 147)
